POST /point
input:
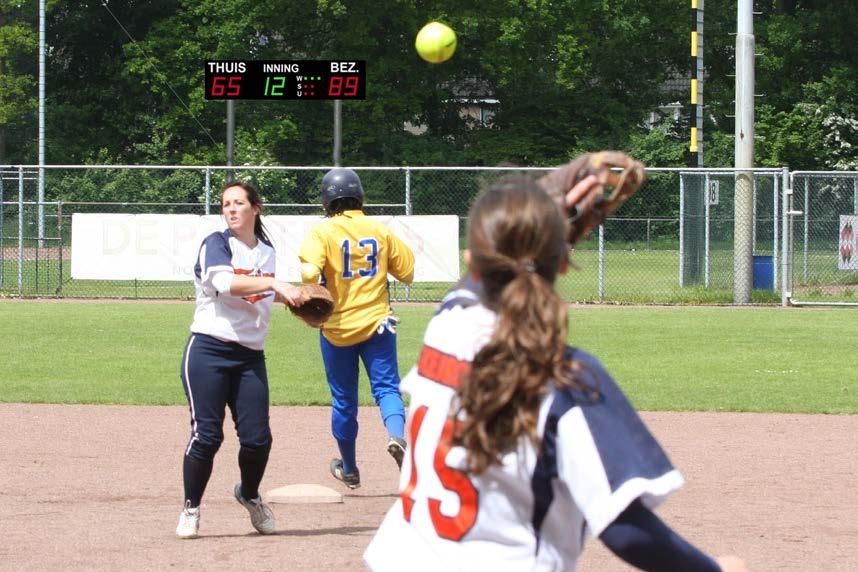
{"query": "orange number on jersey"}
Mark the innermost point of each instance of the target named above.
(405, 495)
(456, 526)
(454, 480)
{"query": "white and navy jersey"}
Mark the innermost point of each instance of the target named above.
(534, 510)
(220, 315)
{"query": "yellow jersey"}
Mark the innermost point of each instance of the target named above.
(354, 254)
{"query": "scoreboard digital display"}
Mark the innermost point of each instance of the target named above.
(285, 79)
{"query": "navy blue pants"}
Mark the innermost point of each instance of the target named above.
(216, 374)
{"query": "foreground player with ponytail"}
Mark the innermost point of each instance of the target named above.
(519, 444)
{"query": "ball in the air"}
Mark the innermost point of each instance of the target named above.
(435, 42)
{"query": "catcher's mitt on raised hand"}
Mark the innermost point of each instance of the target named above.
(318, 307)
(620, 175)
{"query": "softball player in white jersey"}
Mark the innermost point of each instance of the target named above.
(223, 363)
(522, 446)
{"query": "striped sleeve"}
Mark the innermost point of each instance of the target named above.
(606, 456)
(214, 267)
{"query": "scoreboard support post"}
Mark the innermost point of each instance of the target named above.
(230, 137)
(338, 132)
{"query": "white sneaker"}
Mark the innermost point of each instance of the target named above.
(261, 516)
(189, 522)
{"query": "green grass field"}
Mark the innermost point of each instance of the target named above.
(666, 358)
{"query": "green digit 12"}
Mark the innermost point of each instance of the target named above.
(275, 88)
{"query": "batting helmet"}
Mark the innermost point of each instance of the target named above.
(340, 183)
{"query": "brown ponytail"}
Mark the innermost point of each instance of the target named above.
(516, 240)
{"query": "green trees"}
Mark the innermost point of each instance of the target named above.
(807, 75)
(125, 81)
(18, 101)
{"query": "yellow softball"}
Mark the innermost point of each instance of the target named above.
(435, 42)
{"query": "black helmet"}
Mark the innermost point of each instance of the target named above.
(340, 183)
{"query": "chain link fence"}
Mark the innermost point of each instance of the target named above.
(822, 218)
(671, 243)
(709, 227)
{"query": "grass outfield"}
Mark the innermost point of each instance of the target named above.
(666, 358)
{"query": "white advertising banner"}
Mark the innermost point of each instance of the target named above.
(164, 247)
(847, 258)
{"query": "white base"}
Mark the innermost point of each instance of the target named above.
(302, 494)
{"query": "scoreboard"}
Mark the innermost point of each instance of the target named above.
(285, 79)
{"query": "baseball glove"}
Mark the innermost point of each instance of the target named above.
(318, 307)
(620, 177)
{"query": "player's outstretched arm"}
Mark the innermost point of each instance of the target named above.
(242, 285)
(288, 294)
(640, 538)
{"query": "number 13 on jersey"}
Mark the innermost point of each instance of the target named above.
(364, 255)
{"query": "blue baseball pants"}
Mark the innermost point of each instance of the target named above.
(378, 355)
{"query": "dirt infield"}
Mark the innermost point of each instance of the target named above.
(99, 487)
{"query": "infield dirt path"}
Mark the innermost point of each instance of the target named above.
(99, 487)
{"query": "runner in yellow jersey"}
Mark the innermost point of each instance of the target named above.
(353, 254)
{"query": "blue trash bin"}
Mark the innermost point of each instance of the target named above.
(764, 273)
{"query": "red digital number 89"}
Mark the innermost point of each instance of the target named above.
(335, 86)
